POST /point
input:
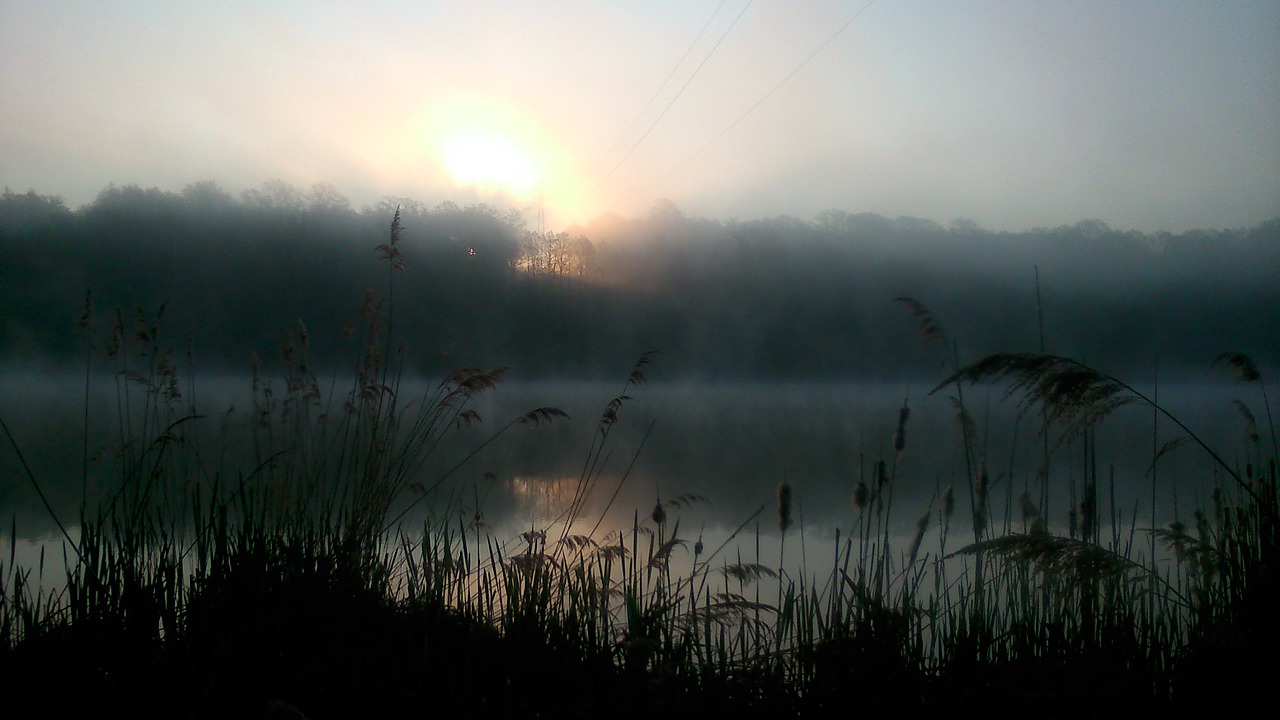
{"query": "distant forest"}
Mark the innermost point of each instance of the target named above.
(780, 298)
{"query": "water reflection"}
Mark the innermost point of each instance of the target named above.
(729, 445)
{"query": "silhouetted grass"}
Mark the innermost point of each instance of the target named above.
(295, 587)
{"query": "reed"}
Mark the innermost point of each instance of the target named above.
(296, 583)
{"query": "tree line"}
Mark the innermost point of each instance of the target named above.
(776, 298)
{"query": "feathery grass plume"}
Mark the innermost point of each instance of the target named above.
(1245, 369)
(968, 428)
(1054, 555)
(87, 316)
(538, 416)
(388, 251)
(1250, 424)
(929, 330)
(948, 502)
(637, 376)
(662, 554)
(1166, 448)
(747, 572)
(922, 525)
(1200, 555)
(610, 415)
(784, 506)
(1073, 394)
(900, 433)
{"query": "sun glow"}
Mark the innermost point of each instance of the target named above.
(490, 160)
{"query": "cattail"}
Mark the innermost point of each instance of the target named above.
(1202, 526)
(882, 474)
(860, 496)
(784, 506)
(1029, 509)
(948, 503)
(921, 526)
(659, 513)
(980, 502)
(1088, 512)
(984, 485)
(697, 547)
(900, 434)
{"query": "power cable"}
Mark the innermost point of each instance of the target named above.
(766, 96)
(680, 92)
(670, 75)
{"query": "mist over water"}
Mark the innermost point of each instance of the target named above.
(783, 355)
(718, 450)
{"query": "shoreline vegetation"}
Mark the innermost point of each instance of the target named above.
(772, 299)
(292, 587)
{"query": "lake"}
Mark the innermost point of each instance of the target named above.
(713, 454)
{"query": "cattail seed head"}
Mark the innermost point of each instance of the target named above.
(659, 513)
(984, 484)
(948, 502)
(922, 525)
(861, 495)
(784, 506)
(900, 433)
(1029, 509)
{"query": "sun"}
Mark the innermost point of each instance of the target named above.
(489, 160)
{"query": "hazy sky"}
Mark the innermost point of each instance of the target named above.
(1146, 115)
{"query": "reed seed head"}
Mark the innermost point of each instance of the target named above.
(87, 316)
(1243, 366)
(784, 506)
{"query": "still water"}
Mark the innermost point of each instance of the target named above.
(712, 455)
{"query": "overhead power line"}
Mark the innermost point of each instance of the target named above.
(767, 95)
(674, 99)
(670, 75)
